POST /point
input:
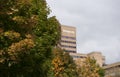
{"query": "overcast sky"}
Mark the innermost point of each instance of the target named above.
(97, 23)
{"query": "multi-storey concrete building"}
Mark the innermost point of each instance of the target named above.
(112, 70)
(100, 59)
(68, 43)
(68, 38)
(78, 57)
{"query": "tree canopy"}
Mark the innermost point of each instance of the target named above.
(63, 64)
(27, 36)
(28, 43)
(89, 68)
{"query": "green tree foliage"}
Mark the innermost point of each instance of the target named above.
(63, 64)
(101, 72)
(89, 68)
(27, 36)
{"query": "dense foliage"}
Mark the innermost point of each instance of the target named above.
(63, 64)
(89, 68)
(28, 43)
(27, 36)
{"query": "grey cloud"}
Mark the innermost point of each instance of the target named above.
(97, 23)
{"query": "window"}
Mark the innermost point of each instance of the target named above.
(70, 51)
(68, 46)
(68, 37)
(64, 41)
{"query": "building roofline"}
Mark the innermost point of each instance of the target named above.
(69, 26)
(94, 52)
(112, 65)
(79, 54)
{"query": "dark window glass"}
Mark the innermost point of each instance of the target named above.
(75, 56)
(70, 51)
(64, 41)
(68, 37)
(68, 46)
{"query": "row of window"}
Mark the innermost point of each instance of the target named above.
(70, 51)
(78, 56)
(68, 46)
(68, 37)
(75, 56)
(68, 42)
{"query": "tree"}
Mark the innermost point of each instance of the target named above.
(63, 64)
(101, 72)
(89, 68)
(27, 36)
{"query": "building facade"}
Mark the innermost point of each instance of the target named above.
(78, 57)
(112, 70)
(100, 59)
(68, 38)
